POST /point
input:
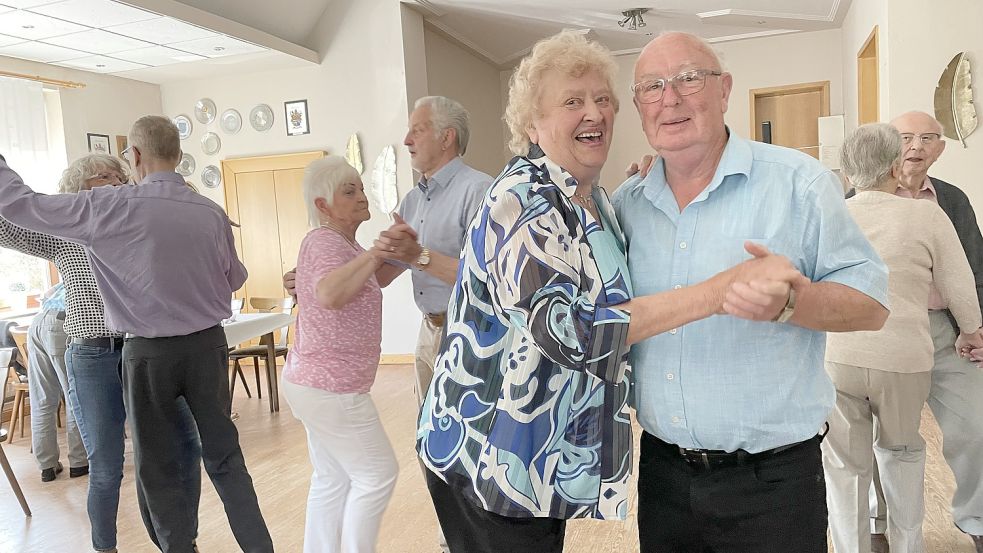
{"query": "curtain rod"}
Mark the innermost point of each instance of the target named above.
(45, 80)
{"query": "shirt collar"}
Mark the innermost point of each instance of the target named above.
(558, 175)
(443, 175)
(927, 188)
(737, 159)
(164, 176)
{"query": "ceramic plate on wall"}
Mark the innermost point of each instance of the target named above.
(184, 126)
(205, 111)
(187, 166)
(230, 121)
(211, 177)
(211, 144)
(261, 118)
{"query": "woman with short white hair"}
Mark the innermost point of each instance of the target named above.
(885, 375)
(332, 365)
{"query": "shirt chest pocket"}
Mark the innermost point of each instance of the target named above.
(721, 254)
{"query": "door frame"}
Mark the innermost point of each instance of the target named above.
(869, 51)
(818, 86)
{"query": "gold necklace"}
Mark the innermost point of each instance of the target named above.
(586, 199)
(351, 242)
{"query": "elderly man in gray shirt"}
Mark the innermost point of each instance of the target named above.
(164, 260)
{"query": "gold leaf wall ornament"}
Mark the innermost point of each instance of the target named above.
(954, 106)
(353, 154)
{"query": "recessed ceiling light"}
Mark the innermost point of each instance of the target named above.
(100, 65)
(27, 26)
(761, 22)
(219, 48)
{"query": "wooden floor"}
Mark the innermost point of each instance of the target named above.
(276, 454)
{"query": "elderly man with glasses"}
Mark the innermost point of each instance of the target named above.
(733, 406)
(957, 385)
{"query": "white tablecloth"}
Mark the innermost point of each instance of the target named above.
(247, 326)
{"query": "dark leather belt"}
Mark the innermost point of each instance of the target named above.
(101, 342)
(710, 459)
(437, 319)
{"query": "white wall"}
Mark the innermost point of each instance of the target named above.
(754, 63)
(860, 20)
(107, 105)
(457, 73)
(923, 39)
(360, 86)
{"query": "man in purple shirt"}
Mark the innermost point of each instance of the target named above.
(165, 262)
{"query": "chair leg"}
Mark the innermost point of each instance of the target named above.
(259, 389)
(14, 415)
(23, 417)
(237, 374)
(13, 483)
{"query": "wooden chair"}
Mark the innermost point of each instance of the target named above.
(11, 477)
(21, 389)
(237, 304)
(262, 305)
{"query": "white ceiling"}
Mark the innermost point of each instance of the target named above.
(503, 31)
(105, 36)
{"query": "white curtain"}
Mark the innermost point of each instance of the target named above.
(24, 133)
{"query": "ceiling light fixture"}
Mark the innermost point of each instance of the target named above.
(633, 19)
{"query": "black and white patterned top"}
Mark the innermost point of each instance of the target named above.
(84, 313)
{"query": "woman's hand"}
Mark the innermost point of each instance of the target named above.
(398, 242)
(970, 346)
(758, 289)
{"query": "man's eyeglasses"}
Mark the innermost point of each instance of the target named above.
(685, 83)
(925, 138)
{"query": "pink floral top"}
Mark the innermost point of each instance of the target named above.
(335, 350)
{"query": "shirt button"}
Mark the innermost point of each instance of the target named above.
(677, 287)
(682, 245)
(670, 376)
(673, 331)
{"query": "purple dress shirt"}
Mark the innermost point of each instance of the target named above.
(162, 255)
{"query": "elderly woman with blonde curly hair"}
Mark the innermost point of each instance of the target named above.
(526, 422)
(88, 373)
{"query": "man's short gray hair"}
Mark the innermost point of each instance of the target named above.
(84, 168)
(446, 113)
(869, 154)
(156, 136)
(321, 179)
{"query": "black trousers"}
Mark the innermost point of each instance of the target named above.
(772, 504)
(471, 529)
(156, 373)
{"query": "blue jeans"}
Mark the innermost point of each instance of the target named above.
(95, 388)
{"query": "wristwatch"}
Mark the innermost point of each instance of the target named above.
(424, 258)
(789, 309)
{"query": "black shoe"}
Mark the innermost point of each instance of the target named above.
(47, 475)
(75, 472)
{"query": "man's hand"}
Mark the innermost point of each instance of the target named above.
(642, 167)
(970, 346)
(398, 242)
(290, 282)
(759, 288)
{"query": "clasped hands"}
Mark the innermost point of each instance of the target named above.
(758, 289)
(397, 243)
(970, 346)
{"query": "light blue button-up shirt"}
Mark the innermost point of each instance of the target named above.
(725, 383)
(440, 210)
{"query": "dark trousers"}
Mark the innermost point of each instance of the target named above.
(157, 372)
(471, 529)
(770, 504)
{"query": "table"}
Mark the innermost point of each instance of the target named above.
(247, 326)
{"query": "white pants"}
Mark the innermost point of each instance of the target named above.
(955, 400)
(355, 469)
(894, 401)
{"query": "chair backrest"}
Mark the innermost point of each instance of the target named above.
(19, 334)
(237, 304)
(271, 305)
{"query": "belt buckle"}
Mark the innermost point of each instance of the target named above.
(692, 456)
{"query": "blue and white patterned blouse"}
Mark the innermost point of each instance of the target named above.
(527, 412)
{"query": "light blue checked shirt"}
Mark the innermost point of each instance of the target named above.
(725, 383)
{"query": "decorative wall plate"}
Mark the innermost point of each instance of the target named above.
(230, 121)
(205, 111)
(184, 126)
(384, 191)
(261, 117)
(211, 143)
(187, 166)
(211, 177)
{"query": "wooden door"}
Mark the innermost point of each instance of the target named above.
(868, 108)
(265, 196)
(793, 112)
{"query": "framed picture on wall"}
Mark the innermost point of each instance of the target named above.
(99, 143)
(296, 117)
(121, 144)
